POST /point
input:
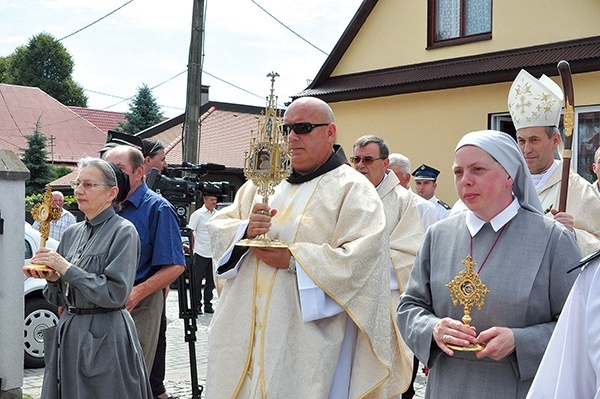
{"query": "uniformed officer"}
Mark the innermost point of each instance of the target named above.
(425, 182)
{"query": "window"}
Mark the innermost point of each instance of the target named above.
(28, 250)
(586, 137)
(454, 22)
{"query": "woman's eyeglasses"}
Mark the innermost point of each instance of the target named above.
(368, 160)
(87, 185)
(300, 128)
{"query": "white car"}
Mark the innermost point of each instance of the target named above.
(39, 314)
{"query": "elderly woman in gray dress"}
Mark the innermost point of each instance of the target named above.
(94, 351)
(521, 257)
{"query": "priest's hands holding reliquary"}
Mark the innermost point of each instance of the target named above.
(260, 223)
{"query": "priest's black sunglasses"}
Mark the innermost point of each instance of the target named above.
(300, 128)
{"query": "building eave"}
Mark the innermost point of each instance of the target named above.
(582, 54)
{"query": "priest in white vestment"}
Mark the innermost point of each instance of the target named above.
(538, 138)
(403, 223)
(312, 320)
(570, 367)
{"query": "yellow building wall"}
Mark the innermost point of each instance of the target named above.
(427, 126)
(395, 33)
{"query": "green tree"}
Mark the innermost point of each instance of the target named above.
(59, 171)
(3, 67)
(45, 63)
(34, 158)
(144, 112)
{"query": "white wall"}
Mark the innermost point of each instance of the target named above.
(13, 174)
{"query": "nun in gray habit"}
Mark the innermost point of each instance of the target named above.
(94, 351)
(521, 257)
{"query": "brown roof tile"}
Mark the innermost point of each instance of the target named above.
(225, 134)
(21, 107)
(65, 180)
(103, 120)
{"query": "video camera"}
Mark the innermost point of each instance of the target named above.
(180, 185)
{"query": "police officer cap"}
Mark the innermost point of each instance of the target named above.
(114, 138)
(425, 172)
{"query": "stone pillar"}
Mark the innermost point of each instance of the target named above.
(13, 174)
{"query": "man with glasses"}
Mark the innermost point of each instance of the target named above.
(403, 220)
(161, 255)
(311, 320)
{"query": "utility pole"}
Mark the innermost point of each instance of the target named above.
(191, 128)
(191, 140)
(52, 148)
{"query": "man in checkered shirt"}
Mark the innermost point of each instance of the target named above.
(58, 227)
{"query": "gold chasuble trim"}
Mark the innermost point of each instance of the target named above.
(261, 375)
(358, 325)
(361, 328)
(264, 281)
(247, 366)
(303, 221)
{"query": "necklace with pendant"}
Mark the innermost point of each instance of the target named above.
(468, 289)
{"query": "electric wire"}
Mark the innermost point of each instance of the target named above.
(123, 99)
(151, 88)
(96, 21)
(288, 28)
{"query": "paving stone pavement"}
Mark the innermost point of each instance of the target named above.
(178, 378)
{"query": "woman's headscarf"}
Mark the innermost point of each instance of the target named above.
(505, 151)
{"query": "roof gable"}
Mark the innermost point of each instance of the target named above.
(70, 137)
(344, 42)
(461, 68)
(225, 133)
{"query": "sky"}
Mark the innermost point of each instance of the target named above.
(147, 42)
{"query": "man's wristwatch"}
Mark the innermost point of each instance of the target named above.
(292, 266)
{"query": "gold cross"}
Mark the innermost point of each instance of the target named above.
(523, 103)
(467, 289)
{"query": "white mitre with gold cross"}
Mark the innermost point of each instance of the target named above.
(533, 102)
